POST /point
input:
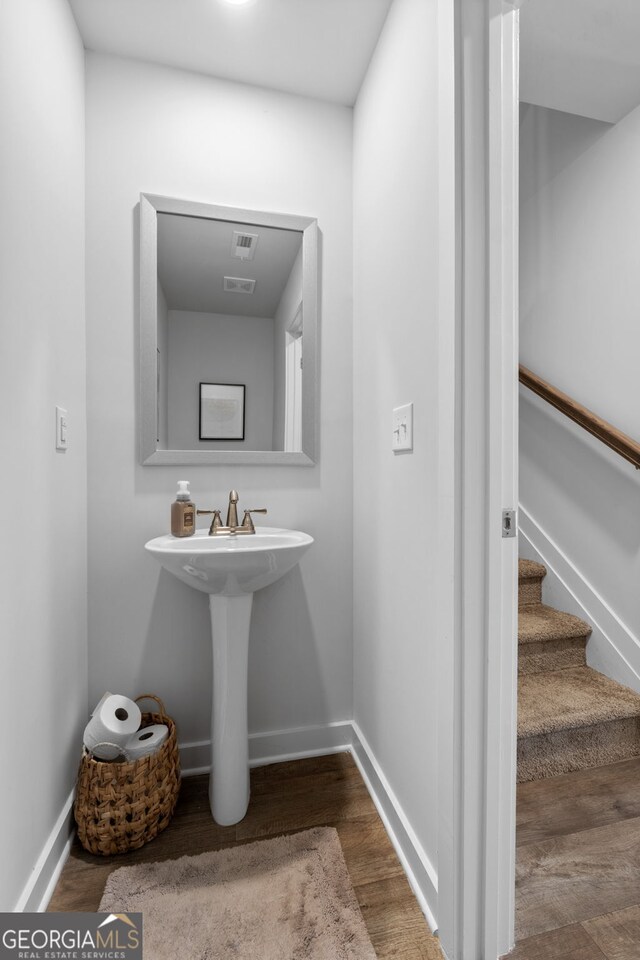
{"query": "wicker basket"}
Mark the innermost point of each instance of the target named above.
(121, 806)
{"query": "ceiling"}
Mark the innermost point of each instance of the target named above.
(581, 56)
(315, 48)
(194, 256)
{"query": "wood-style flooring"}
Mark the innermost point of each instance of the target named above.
(285, 798)
(578, 866)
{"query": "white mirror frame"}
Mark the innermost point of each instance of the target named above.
(150, 207)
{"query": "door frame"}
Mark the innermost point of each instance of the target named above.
(293, 392)
(478, 132)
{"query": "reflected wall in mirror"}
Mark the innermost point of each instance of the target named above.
(227, 296)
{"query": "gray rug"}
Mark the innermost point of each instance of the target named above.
(289, 898)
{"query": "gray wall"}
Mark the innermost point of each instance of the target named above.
(213, 348)
(43, 578)
(175, 133)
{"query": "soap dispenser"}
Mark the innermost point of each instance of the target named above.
(183, 512)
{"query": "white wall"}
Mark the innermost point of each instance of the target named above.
(43, 678)
(169, 132)
(395, 362)
(215, 348)
(580, 289)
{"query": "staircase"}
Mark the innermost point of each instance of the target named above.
(569, 716)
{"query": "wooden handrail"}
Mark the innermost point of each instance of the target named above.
(614, 438)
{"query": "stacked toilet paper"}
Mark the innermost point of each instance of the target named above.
(114, 731)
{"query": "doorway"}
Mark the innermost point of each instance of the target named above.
(578, 889)
(293, 384)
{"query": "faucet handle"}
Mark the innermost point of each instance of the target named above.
(247, 522)
(216, 523)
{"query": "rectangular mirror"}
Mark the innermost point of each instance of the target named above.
(228, 334)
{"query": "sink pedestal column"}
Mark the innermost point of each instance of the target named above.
(229, 780)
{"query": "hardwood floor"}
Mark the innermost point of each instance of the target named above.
(578, 866)
(285, 797)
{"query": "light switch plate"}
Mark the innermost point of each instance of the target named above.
(62, 428)
(402, 437)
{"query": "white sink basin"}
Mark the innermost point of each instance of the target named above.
(231, 565)
(230, 569)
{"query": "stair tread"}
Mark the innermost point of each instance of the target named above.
(538, 623)
(570, 698)
(530, 570)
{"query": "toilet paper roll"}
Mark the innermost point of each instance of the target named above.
(146, 741)
(114, 720)
(104, 697)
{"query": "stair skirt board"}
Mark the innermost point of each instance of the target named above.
(614, 648)
(564, 751)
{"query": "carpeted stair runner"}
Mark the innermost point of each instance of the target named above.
(569, 716)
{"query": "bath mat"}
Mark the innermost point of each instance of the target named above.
(287, 898)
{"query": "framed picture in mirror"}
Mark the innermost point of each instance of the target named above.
(222, 411)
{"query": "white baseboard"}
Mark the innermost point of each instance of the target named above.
(281, 745)
(275, 746)
(37, 891)
(272, 747)
(612, 649)
(420, 872)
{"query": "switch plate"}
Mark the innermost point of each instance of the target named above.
(402, 437)
(62, 429)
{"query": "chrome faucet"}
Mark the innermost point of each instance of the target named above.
(231, 527)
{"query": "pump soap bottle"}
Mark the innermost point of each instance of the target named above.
(183, 512)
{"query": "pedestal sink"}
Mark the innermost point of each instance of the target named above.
(230, 569)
